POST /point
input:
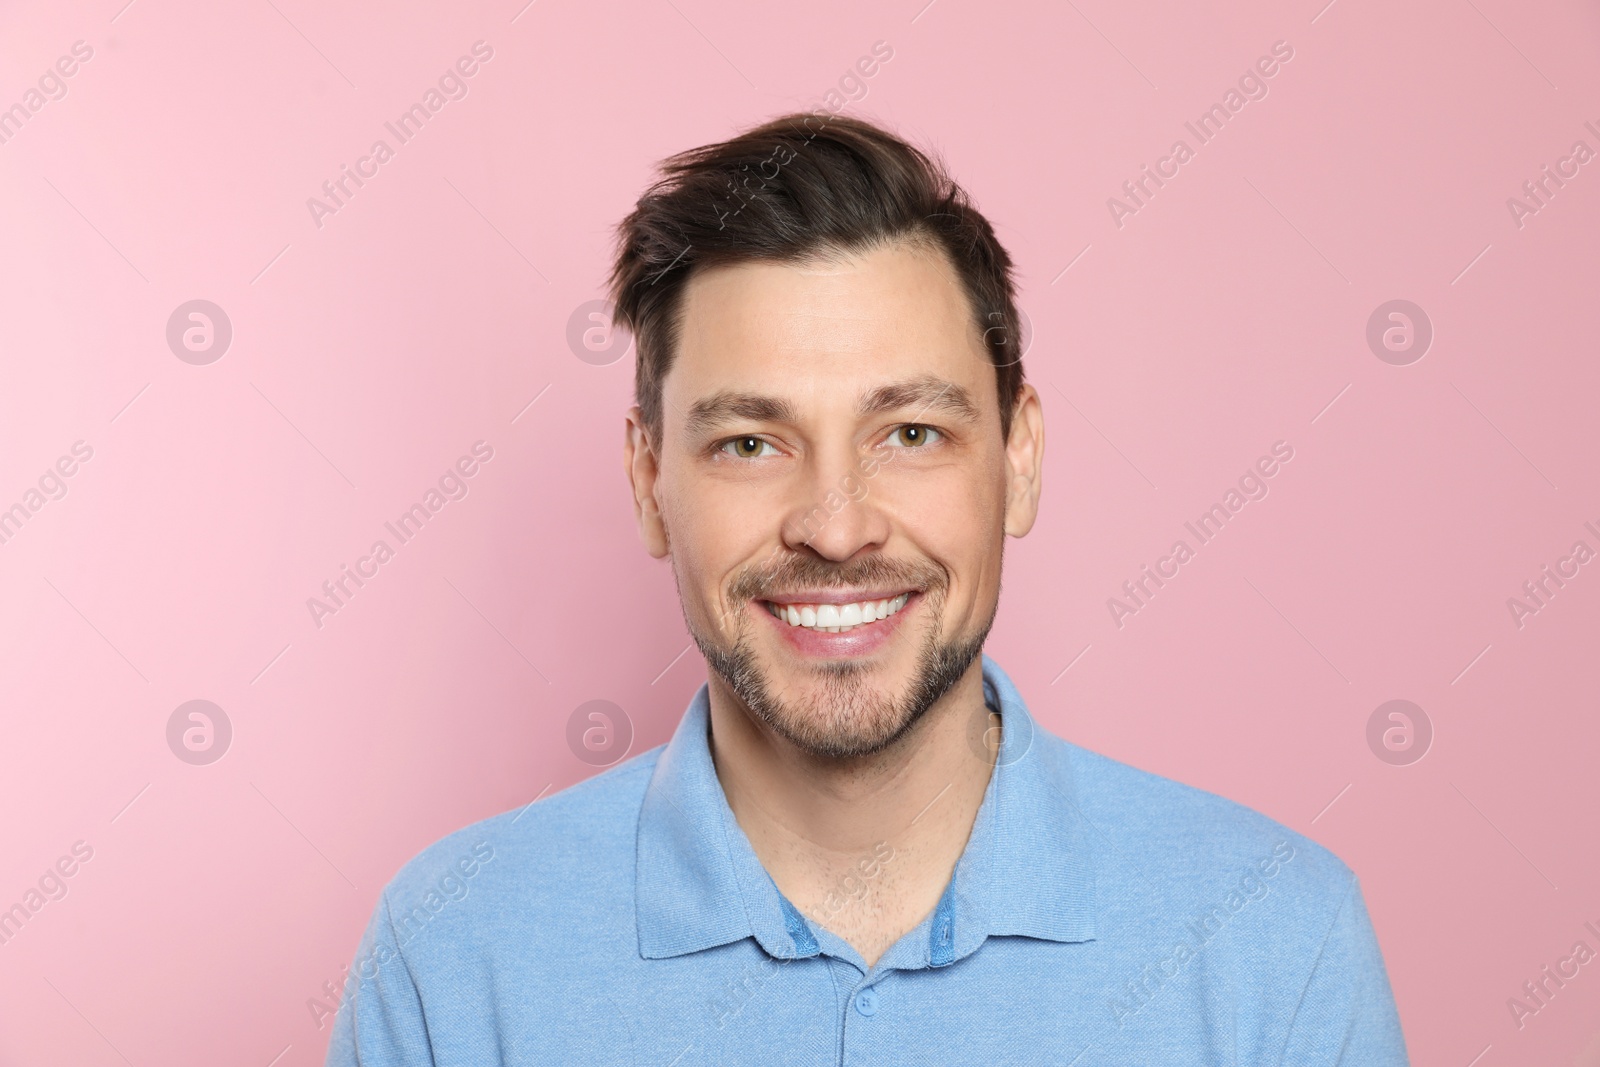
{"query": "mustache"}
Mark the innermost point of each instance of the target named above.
(809, 572)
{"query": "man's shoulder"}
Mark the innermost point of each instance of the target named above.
(1146, 826)
(583, 832)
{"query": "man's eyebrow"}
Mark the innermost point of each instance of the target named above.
(927, 393)
(712, 411)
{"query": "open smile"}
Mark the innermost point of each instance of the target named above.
(837, 618)
(839, 624)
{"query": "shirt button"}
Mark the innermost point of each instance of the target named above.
(867, 1002)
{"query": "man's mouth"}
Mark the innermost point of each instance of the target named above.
(837, 618)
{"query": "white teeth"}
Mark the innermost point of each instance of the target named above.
(838, 618)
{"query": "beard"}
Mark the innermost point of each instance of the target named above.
(841, 716)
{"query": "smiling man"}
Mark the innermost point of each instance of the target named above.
(858, 847)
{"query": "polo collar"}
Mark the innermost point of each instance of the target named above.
(1026, 871)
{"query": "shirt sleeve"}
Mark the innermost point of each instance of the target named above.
(1346, 1016)
(380, 1022)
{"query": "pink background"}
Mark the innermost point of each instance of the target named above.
(368, 354)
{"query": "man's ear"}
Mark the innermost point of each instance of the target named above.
(1024, 462)
(643, 465)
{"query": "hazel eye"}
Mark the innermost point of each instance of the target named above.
(747, 447)
(913, 435)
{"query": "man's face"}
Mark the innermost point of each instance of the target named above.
(832, 487)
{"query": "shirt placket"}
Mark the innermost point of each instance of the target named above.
(867, 1017)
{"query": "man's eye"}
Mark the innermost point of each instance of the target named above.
(912, 436)
(747, 447)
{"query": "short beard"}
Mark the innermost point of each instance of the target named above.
(844, 721)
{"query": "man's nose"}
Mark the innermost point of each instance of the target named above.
(833, 511)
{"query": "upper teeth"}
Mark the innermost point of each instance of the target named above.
(834, 618)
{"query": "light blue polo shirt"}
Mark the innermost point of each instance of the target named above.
(1099, 915)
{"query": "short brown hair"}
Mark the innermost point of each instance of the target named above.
(838, 185)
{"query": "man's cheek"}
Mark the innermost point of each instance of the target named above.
(697, 565)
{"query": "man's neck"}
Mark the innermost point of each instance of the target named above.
(865, 848)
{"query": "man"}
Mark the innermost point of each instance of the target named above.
(858, 847)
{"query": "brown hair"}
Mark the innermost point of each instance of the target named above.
(792, 189)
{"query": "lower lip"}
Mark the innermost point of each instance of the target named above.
(861, 641)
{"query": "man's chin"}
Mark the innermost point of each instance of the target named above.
(838, 708)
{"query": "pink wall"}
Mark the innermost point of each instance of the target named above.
(373, 346)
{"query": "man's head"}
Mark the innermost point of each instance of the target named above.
(832, 436)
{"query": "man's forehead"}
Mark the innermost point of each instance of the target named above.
(834, 331)
(864, 288)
